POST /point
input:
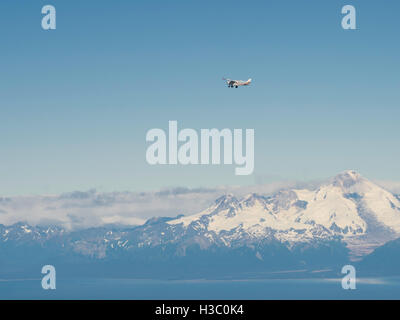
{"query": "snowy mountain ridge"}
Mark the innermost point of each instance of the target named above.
(347, 216)
(347, 206)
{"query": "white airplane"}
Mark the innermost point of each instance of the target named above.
(236, 83)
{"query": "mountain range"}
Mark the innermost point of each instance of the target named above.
(347, 219)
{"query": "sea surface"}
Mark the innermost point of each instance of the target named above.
(371, 288)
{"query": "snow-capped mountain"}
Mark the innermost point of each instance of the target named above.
(344, 218)
(349, 206)
(22, 232)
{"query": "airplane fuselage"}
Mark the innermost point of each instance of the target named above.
(237, 83)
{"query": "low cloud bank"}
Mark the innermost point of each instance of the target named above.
(84, 209)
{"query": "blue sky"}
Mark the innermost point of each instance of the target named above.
(76, 103)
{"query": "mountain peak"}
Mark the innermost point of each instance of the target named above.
(251, 198)
(225, 198)
(226, 201)
(349, 173)
(347, 179)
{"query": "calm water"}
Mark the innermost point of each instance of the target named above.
(380, 288)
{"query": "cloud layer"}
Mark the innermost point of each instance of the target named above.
(84, 209)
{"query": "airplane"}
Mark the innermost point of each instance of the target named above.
(236, 83)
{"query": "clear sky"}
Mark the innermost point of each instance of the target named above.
(76, 102)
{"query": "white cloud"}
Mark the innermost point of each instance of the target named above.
(83, 209)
